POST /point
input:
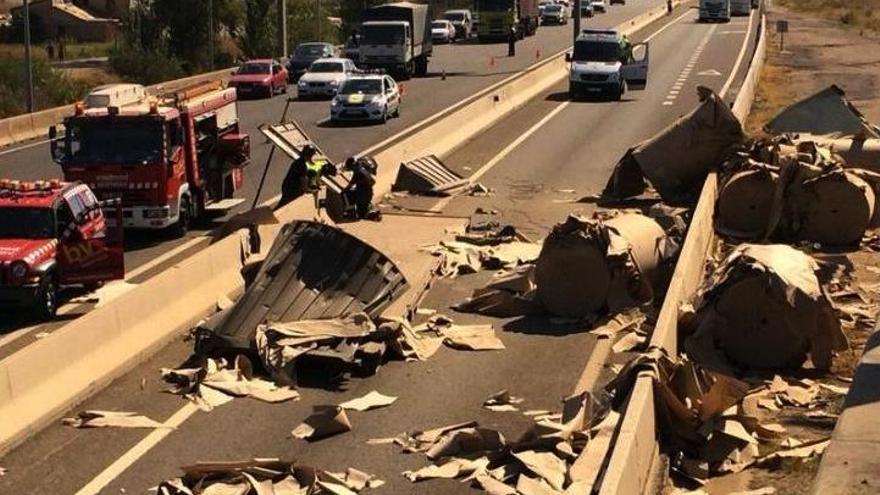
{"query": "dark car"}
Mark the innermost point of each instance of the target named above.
(305, 54)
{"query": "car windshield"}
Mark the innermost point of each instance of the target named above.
(326, 67)
(596, 51)
(454, 16)
(383, 35)
(364, 86)
(309, 51)
(254, 68)
(27, 223)
(439, 25)
(115, 141)
(553, 8)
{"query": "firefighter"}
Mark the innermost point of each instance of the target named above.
(511, 42)
(668, 7)
(359, 191)
(304, 175)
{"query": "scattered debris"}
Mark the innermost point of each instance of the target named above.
(827, 113)
(763, 309)
(266, 476)
(427, 175)
(325, 421)
(502, 402)
(217, 382)
(115, 419)
(471, 337)
(700, 141)
(372, 400)
(619, 256)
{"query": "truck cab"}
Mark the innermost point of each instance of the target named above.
(396, 37)
(171, 158)
(605, 63)
(54, 234)
(714, 10)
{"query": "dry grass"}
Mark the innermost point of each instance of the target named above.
(773, 95)
(71, 50)
(862, 14)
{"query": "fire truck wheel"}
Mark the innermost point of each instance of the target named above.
(183, 223)
(47, 299)
(92, 286)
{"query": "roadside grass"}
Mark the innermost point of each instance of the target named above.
(51, 87)
(71, 50)
(773, 94)
(861, 14)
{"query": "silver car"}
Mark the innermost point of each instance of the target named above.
(371, 97)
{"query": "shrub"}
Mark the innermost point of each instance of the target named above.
(144, 66)
(51, 88)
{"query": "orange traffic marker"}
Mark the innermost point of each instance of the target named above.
(402, 89)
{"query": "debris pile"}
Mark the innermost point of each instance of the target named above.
(790, 190)
(763, 308)
(713, 423)
(827, 113)
(677, 160)
(542, 461)
(262, 476)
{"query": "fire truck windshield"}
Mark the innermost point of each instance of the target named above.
(115, 142)
(27, 223)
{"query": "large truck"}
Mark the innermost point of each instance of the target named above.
(172, 158)
(714, 10)
(396, 37)
(498, 16)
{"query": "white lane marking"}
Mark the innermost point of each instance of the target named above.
(27, 146)
(129, 458)
(673, 93)
(739, 59)
(506, 151)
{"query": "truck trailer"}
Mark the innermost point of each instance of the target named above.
(498, 16)
(396, 37)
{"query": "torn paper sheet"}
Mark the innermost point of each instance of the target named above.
(324, 422)
(450, 469)
(115, 419)
(372, 400)
(472, 338)
(546, 465)
(502, 401)
(532, 486)
(493, 486)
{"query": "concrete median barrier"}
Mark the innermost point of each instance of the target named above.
(635, 452)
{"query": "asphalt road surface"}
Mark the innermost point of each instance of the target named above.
(533, 159)
(469, 67)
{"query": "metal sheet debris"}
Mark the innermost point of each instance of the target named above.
(619, 256)
(372, 400)
(700, 141)
(427, 175)
(343, 276)
(763, 309)
(114, 419)
(827, 112)
(325, 421)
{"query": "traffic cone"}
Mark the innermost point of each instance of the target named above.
(443, 76)
(538, 54)
(402, 89)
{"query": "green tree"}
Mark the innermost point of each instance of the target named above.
(260, 28)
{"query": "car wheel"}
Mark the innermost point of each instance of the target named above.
(397, 112)
(284, 88)
(184, 218)
(47, 298)
(92, 286)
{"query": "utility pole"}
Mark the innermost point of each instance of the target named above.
(29, 71)
(320, 38)
(282, 28)
(211, 32)
(577, 18)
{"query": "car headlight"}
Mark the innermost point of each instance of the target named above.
(335, 102)
(18, 271)
(302, 84)
(334, 83)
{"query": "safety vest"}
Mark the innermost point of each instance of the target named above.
(314, 170)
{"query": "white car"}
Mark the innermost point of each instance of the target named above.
(325, 76)
(599, 6)
(366, 97)
(554, 14)
(442, 31)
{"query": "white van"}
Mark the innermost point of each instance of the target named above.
(605, 63)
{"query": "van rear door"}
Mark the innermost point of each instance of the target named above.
(635, 71)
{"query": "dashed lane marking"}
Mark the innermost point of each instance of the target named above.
(673, 93)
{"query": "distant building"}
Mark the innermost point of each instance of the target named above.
(81, 20)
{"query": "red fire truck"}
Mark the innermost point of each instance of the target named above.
(53, 234)
(172, 158)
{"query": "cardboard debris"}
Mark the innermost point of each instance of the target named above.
(372, 400)
(802, 192)
(324, 422)
(699, 141)
(427, 175)
(828, 113)
(619, 256)
(545, 465)
(466, 442)
(218, 382)
(502, 402)
(531, 486)
(763, 309)
(264, 477)
(628, 342)
(472, 338)
(767, 490)
(494, 487)
(804, 450)
(470, 255)
(115, 419)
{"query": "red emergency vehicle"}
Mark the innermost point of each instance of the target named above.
(171, 158)
(53, 234)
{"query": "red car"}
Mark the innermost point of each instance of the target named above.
(261, 77)
(54, 234)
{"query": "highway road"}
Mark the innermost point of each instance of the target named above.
(469, 68)
(532, 159)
